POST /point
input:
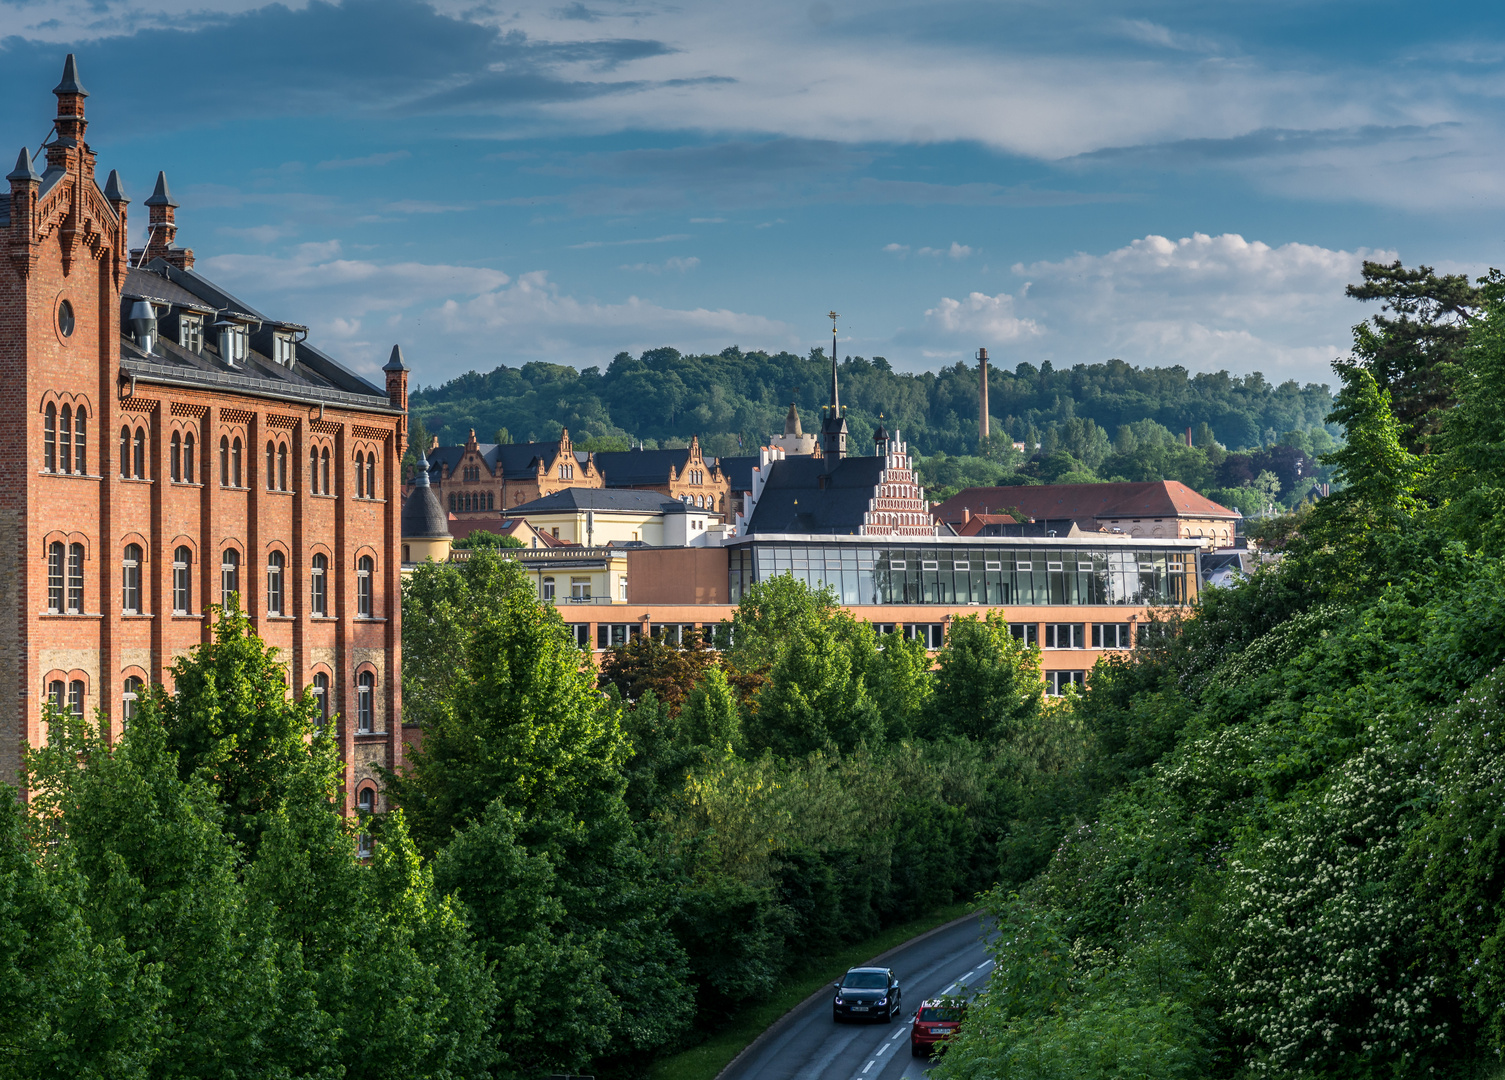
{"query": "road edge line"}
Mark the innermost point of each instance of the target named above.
(784, 1021)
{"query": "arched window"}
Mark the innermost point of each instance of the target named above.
(271, 466)
(282, 467)
(55, 557)
(76, 697)
(360, 476)
(313, 469)
(365, 702)
(80, 455)
(371, 475)
(319, 587)
(49, 438)
(235, 462)
(365, 805)
(229, 578)
(224, 461)
(125, 451)
(365, 570)
(324, 469)
(65, 439)
(182, 581)
(130, 580)
(175, 458)
(75, 579)
(321, 698)
(275, 565)
(189, 475)
(452, 502)
(140, 453)
(134, 688)
(57, 694)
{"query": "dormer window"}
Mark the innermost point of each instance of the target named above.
(191, 332)
(282, 349)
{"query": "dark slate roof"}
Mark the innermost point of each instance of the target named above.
(621, 499)
(313, 377)
(633, 468)
(422, 516)
(738, 470)
(517, 461)
(793, 500)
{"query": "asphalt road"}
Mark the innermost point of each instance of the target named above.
(808, 1045)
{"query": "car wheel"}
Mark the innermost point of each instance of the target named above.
(888, 1014)
(916, 1051)
(835, 1017)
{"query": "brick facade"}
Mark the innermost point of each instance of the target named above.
(66, 243)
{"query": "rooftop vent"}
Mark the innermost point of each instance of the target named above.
(143, 320)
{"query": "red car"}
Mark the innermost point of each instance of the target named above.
(938, 1020)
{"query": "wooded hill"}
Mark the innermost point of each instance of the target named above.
(664, 397)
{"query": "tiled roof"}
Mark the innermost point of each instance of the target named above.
(625, 500)
(794, 500)
(738, 470)
(517, 461)
(1158, 498)
(314, 376)
(633, 468)
(975, 525)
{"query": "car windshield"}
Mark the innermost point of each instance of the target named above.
(865, 980)
(939, 1015)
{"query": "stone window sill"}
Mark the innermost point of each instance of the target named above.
(70, 615)
(70, 475)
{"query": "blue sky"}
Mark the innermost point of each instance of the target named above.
(1167, 183)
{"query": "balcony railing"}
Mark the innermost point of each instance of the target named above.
(564, 554)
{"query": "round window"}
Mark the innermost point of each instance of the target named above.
(65, 319)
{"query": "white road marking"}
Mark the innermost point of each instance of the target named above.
(868, 1066)
(899, 1033)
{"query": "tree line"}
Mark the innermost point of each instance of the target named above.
(734, 400)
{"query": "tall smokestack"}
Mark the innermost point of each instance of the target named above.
(1188, 436)
(982, 387)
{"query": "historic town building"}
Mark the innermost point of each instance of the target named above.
(168, 447)
(1156, 509)
(479, 480)
(683, 473)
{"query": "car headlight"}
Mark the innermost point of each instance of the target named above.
(883, 1001)
(838, 999)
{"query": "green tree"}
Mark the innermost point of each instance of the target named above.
(711, 717)
(481, 538)
(231, 721)
(816, 694)
(987, 682)
(1411, 351)
(668, 669)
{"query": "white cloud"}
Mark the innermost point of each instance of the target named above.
(982, 316)
(955, 251)
(672, 263)
(896, 249)
(672, 238)
(1206, 302)
(456, 317)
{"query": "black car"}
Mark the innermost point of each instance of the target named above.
(867, 994)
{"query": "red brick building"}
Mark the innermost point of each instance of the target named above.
(168, 447)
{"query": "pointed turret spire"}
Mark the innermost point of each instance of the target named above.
(114, 190)
(23, 170)
(395, 363)
(397, 379)
(792, 422)
(70, 83)
(160, 196)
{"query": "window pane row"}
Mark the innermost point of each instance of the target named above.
(65, 439)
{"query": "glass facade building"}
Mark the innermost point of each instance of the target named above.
(994, 573)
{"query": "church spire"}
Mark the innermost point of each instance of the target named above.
(835, 390)
(834, 429)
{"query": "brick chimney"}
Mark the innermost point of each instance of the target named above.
(982, 387)
(162, 230)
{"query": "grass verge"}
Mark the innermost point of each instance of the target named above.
(703, 1062)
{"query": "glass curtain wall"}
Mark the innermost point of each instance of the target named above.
(983, 575)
